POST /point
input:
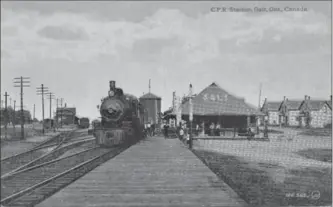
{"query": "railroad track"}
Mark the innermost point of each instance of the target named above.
(36, 154)
(31, 186)
(53, 154)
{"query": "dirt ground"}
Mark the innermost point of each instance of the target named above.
(285, 171)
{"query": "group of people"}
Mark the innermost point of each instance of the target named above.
(149, 129)
(214, 129)
(183, 131)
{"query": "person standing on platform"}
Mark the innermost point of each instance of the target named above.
(153, 129)
(218, 128)
(181, 133)
(197, 129)
(146, 130)
(165, 130)
(149, 128)
(211, 127)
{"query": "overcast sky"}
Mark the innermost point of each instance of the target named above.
(75, 48)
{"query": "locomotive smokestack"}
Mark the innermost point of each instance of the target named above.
(112, 85)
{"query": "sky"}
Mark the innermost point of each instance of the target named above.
(76, 48)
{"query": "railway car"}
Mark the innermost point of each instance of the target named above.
(122, 119)
(84, 123)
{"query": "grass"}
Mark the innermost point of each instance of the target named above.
(15, 133)
(258, 183)
(317, 132)
(271, 131)
(265, 173)
(324, 155)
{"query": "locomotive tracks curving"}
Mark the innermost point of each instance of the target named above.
(42, 152)
(32, 185)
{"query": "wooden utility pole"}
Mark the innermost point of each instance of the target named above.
(190, 117)
(22, 80)
(61, 111)
(50, 96)
(34, 112)
(57, 113)
(6, 114)
(41, 91)
(259, 106)
(14, 116)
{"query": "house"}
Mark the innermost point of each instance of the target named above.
(271, 109)
(289, 112)
(315, 113)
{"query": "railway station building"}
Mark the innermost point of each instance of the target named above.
(215, 105)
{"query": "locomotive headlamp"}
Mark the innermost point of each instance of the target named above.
(111, 93)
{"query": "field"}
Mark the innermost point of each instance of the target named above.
(33, 135)
(30, 130)
(277, 173)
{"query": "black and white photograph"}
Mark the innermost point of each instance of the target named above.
(166, 103)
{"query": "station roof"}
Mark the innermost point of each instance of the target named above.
(214, 100)
(150, 96)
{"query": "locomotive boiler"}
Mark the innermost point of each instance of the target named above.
(122, 119)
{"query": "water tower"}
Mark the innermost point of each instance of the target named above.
(152, 105)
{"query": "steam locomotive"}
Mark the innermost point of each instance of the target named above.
(122, 119)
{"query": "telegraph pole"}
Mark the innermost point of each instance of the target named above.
(190, 117)
(61, 110)
(258, 120)
(34, 111)
(6, 114)
(14, 116)
(50, 96)
(57, 113)
(22, 80)
(41, 91)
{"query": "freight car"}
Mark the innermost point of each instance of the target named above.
(84, 123)
(122, 119)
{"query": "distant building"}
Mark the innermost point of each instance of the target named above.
(299, 113)
(66, 115)
(271, 109)
(315, 113)
(289, 112)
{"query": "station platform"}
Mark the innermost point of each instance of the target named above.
(154, 172)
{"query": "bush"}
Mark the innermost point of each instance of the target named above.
(328, 126)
